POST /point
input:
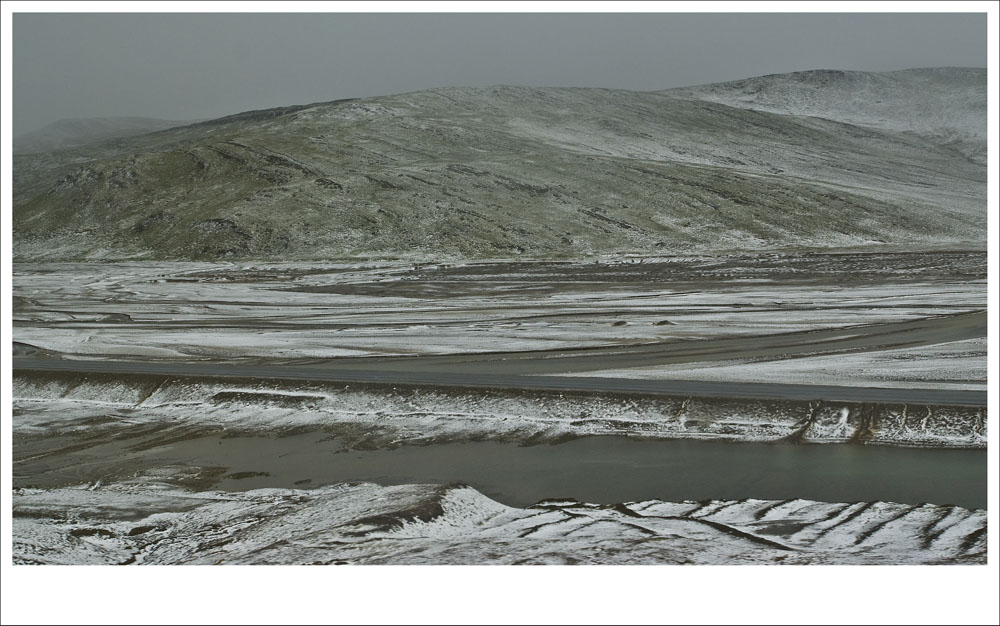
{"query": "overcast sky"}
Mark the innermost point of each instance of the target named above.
(197, 66)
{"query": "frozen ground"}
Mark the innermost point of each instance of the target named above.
(946, 104)
(143, 522)
(88, 489)
(99, 406)
(951, 365)
(310, 311)
(884, 320)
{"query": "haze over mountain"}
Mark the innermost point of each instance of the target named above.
(808, 160)
(76, 133)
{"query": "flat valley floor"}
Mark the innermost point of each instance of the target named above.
(771, 408)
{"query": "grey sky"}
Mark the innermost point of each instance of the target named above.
(192, 66)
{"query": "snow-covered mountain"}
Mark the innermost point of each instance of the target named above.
(809, 160)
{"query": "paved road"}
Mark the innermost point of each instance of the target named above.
(476, 380)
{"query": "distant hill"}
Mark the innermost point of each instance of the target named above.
(75, 133)
(947, 104)
(807, 160)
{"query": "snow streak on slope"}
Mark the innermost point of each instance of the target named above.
(142, 522)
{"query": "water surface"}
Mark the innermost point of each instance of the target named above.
(604, 469)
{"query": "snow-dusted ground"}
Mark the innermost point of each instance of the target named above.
(272, 312)
(258, 311)
(379, 416)
(952, 365)
(144, 522)
(226, 311)
(947, 104)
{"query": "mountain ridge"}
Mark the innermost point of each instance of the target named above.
(499, 172)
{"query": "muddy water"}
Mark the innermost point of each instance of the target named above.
(593, 469)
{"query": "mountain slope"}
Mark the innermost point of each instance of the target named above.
(947, 104)
(498, 172)
(76, 133)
